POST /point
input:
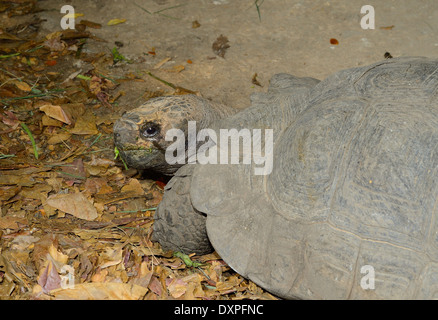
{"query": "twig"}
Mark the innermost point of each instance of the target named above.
(35, 48)
(95, 140)
(117, 154)
(177, 6)
(5, 56)
(33, 96)
(4, 156)
(145, 10)
(163, 81)
(34, 85)
(160, 11)
(134, 211)
(170, 84)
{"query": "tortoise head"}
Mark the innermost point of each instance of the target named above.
(140, 134)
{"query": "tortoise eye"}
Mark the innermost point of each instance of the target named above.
(149, 130)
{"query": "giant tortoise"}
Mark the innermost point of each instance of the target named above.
(350, 209)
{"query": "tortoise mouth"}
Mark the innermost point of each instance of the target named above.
(139, 156)
(131, 149)
(146, 159)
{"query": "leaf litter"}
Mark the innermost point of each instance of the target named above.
(74, 223)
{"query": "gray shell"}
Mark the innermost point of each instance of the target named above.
(354, 189)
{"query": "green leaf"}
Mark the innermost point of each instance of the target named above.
(117, 56)
(186, 259)
(32, 140)
(80, 76)
(117, 154)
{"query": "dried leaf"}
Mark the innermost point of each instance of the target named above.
(195, 24)
(101, 291)
(74, 110)
(7, 193)
(155, 286)
(57, 256)
(194, 287)
(220, 46)
(133, 186)
(97, 186)
(55, 183)
(54, 35)
(73, 34)
(255, 81)
(113, 22)
(387, 28)
(55, 44)
(16, 180)
(230, 285)
(13, 223)
(144, 276)
(112, 256)
(100, 275)
(176, 287)
(23, 242)
(161, 63)
(7, 36)
(56, 112)
(50, 122)
(176, 69)
(51, 63)
(85, 125)
(74, 171)
(91, 24)
(151, 251)
(10, 119)
(99, 87)
(23, 86)
(49, 278)
(59, 138)
(74, 15)
(75, 204)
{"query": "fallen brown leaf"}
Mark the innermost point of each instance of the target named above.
(7, 193)
(387, 27)
(56, 112)
(85, 125)
(91, 24)
(220, 46)
(10, 119)
(177, 287)
(49, 278)
(101, 291)
(134, 187)
(75, 204)
(59, 138)
(23, 86)
(12, 223)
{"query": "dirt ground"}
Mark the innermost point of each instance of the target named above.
(289, 36)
